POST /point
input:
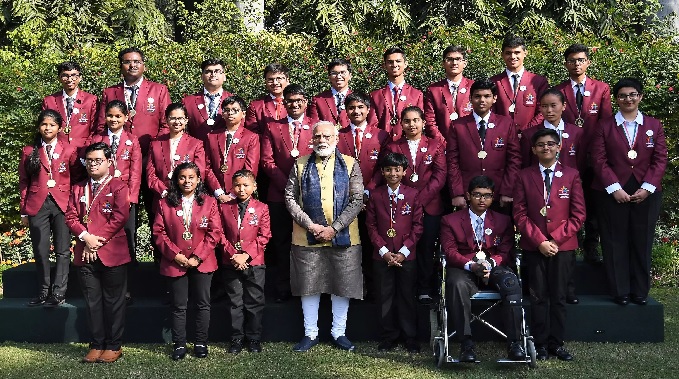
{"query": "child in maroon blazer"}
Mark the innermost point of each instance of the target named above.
(394, 221)
(186, 230)
(45, 177)
(246, 234)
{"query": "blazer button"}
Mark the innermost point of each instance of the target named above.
(189, 247)
(547, 221)
(483, 169)
(631, 166)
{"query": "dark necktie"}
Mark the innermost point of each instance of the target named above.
(69, 107)
(548, 181)
(212, 106)
(114, 143)
(48, 148)
(133, 96)
(241, 210)
(515, 83)
(453, 93)
(482, 131)
(229, 138)
(95, 187)
(339, 101)
(578, 97)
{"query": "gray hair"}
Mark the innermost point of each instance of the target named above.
(316, 125)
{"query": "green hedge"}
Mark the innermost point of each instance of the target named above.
(26, 78)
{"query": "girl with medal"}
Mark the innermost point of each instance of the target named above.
(427, 174)
(630, 158)
(46, 171)
(186, 230)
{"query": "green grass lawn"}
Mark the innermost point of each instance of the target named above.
(593, 360)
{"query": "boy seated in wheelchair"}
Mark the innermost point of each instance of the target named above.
(477, 243)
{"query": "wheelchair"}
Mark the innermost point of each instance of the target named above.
(440, 334)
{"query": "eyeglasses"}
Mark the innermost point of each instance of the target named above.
(573, 62)
(94, 162)
(232, 110)
(453, 59)
(134, 61)
(547, 144)
(485, 196)
(213, 72)
(631, 96)
(71, 76)
(294, 101)
(319, 137)
(176, 119)
(276, 79)
(335, 74)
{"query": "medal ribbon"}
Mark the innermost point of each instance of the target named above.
(633, 140)
(227, 145)
(478, 239)
(48, 153)
(453, 93)
(88, 189)
(295, 133)
(393, 202)
(173, 151)
(187, 210)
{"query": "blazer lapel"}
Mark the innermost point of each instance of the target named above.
(269, 106)
(570, 98)
(447, 96)
(201, 106)
(474, 133)
(536, 175)
(285, 134)
(330, 103)
(466, 225)
(488, 225)
(142, 95)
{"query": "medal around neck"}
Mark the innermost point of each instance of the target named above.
(482, 154)
(480, 255)
(632, 154)
(391, 233)
(414, 178)
(294, 153)
(187, 235)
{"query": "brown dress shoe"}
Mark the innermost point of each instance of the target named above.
(92, 356)
(110, 356)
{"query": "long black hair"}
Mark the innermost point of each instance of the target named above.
(174, 193)
(33, 166)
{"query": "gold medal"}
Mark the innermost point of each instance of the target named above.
(579, 122)
(224, 168)
(132, 112)
(86, 219)
(67, 129)
(338, 126)
(391, 233)
(393, 121)
(51, 183)
(632, 154)
(187, 235)
(543, 211)
(238, 246)
(482, 154)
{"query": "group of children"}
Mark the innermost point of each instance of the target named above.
(507, 147)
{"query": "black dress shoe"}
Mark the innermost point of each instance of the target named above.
(425, 299)
(572, 299)
(412, 346)
(343, 343)
(179, 352)
(561, 353)
(236, 346)
(541, 353)
(516, 351)
(200, 351)
(54, 301)
(305, 344)
(40, 300)
(621, 300)
(467, 354)
(254, 346)
(639, 300)
(386, 345)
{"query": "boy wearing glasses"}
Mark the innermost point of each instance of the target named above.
(78, 108)
(476, 243)
(448, 99)
(549, 209)
(204, 108)
(630, 158)
(330, 105)
(269, 107)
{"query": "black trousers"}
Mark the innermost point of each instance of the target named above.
(198, 284)
(245, 290)
(50, 221)
(591, 239)
(281, 243)
(396, 294)
(548, 279)
(104, 291)
(461, 285)
(627, 232)
(131, 232)
(425, 253)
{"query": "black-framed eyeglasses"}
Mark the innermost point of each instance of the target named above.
(479, 195)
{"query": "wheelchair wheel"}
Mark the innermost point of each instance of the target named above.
(530, 349)
(434, 327)
(439, 352)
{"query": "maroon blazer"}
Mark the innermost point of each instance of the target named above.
(243, 154)
(609, 154)
(33, 189)
(196, 111)
(572, 152)
(381, 106)
(277, 162)
(83, 123)
(149, 120)
(127, 160)
(323, 108)
(108, 214)
(501, 164)
(595, 108)
(430, 169)
(527, 110)
(260, 113)
(459, 243)
(408, 221)
(255, 231)
(438, 105)
(374, 140)
(565, 213)
(160, 163)
(205, 227)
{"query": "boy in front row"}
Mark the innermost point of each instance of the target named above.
(246, 233)
(549, 231)
(394, 221)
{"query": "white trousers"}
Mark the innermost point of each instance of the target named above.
(340, 310)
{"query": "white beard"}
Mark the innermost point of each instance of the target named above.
(326, 150)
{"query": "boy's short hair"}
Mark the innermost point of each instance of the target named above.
(455, 49)
(482, 84)
(481, 181)
(543, 133)
(128, 50)
(511, 41)
(627, 82)
(68, 66)
(276, 68)
(233, 100)
(108, 153)
(357, 96)
(575, 49)
(339, 62)
(211, 62)
(294, 89)
(393, 50)
(244, 173)
(394, 160)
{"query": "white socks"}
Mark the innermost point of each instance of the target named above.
(340, 310)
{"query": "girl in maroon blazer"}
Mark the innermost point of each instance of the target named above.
(45, 177)
(186, 230)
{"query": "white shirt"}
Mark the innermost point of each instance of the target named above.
(403, 250)
(511, 79)
(65, 96)
(206, 98)
(574, 85)
(111, 134)
(392, 86)
(335, 92)
(473, 216)
(412, 146)
(54, 146)
(452, 83)
(128, 88)
(620, 121)
(478, 118)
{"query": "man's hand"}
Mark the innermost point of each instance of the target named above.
(505, 200)
(326, 234)
(548, 248)
(24, 220)
(621, 196)
(89, 255)
(193, 262)
(224, 198)
(459, 201)
(182, 260)
(93, 242)
(315, 229)
(639, 196)
(480, 270)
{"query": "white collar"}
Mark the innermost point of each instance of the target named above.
(100, 181)
(478, 118)
(360, 127)
(393, 192)
(392, 85)
(452, 83)
(75, 95)
(474, 216)
(574, 84)
(620, 120)
(415, 142)
(207, 93)
(548, 125)
(119, 134)
(188, 199)
(300, 119)
(520, 73)
(138, 83)
(335, 92)
(53, 144)
(542, 168)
